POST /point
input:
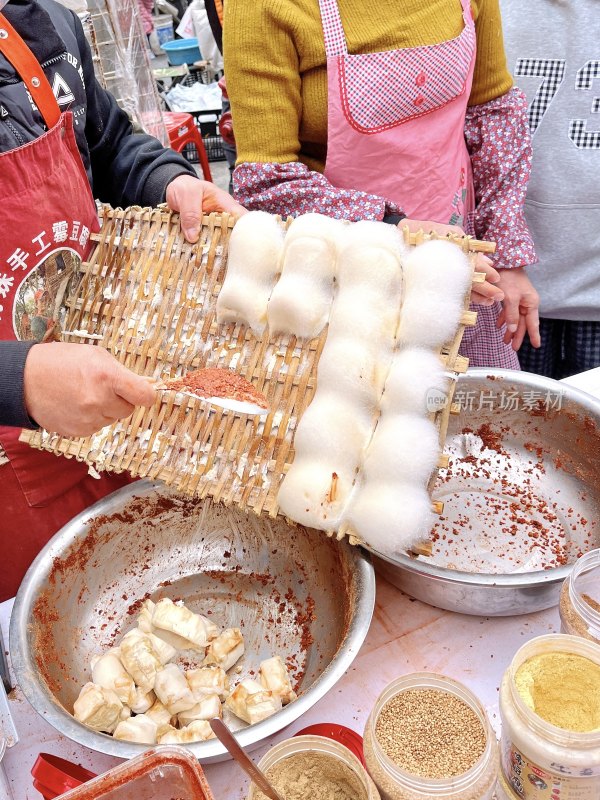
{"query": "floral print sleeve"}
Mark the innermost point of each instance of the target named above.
(291, 189)
(499, 143)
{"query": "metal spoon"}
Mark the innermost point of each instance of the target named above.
(228, 741)
(239, 406)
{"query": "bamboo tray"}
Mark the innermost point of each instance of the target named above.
(150, 298)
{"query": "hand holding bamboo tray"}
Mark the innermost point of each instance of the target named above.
(151, 298)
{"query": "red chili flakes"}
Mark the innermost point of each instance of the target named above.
(491, 439)
(219, 382)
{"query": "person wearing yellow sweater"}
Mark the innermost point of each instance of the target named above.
(379, 111)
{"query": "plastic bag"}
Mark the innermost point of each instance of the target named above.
(197, 97)
(185, 29)
(206, 40)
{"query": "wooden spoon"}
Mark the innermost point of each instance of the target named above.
(228, 741)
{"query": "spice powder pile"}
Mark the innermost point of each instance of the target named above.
(575, 623)
(430, 733)
(314, 776)
(563, 689)
(218, 382)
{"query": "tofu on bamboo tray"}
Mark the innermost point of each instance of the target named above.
(350, 330)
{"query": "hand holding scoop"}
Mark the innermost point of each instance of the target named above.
(228, 741)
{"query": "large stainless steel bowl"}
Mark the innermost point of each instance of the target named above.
(507, 509)
(294, 592)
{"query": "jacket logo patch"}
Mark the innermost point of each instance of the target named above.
(62, 90)
(3, 112)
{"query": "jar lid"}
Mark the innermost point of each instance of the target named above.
(339, 733)
(53, 776)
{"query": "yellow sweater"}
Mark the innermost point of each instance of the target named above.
(276, 67)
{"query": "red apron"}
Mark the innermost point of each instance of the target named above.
(49, 213)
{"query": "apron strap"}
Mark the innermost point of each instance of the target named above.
(333, 31)
(467, 12)
(14, 49)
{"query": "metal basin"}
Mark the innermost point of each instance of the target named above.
(293, 592)
(521, 495)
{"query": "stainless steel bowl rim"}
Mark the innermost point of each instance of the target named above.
(520, 580)
(44, 703)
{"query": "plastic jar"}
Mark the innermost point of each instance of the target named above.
(577, 614)
(323, 747)
(540, 760)
(394, 783)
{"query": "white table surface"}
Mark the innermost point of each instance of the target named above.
(405, 636)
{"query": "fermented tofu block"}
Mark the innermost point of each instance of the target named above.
(208, 680)
(275, 677)
(351, 368)
(390, 509)
(329, 442)
(109, 673)
(335, 430)
(336, 427)
(253, 265)
(207, 707)
(437, 277)
(391, 518)
(301, 300)
(404, 449)
(226, 649)
(141, 729)
(142, 701)
(180, 627)
(415, 383)
(315, 495)
(197, 731)
(173, 691)
(139, 658)
(252, 703)
(98, 708)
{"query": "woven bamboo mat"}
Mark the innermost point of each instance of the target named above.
(150, 298)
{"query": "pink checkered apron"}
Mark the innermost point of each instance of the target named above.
(396, 129)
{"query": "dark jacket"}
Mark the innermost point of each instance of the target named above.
(123, 168)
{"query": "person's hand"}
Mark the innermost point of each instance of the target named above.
(483, 294)
(193, 197)
(520, 308)
(489, 292)
(427, 226)
(76, 389)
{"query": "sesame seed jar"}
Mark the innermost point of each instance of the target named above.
(539, 760)
(476, 782)
(580, 598)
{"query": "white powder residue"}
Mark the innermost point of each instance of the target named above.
(241, 466)
(276, 421)
(82, 334)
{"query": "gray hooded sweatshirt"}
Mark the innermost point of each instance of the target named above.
(553, 51)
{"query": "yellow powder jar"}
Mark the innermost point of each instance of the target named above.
(539, 760)
(580, 598)
(395, 783)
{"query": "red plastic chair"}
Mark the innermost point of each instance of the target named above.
(182, 130)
